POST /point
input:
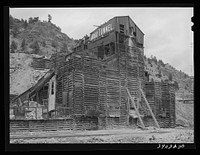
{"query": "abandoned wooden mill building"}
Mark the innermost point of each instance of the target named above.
(101, 84)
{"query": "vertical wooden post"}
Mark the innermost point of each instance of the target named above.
(106, 118)
(37, 95)
(128, 110)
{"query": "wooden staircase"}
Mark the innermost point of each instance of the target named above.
(137, 110)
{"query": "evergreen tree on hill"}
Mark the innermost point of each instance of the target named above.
(23, 45)
(13, 46)
(15, 31)
(54, 44)
(64, 48)
(36, 48)
(170, 76)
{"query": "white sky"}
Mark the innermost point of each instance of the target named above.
(168, 34)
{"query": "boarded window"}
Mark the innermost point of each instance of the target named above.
(121, 28)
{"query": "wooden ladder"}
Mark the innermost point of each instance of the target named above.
(136, 108)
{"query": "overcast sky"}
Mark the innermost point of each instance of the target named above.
(168, 34)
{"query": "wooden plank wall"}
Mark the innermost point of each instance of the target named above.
(77, 123)
(91, 86)
(161, 97)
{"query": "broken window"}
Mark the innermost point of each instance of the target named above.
(112, 48)
(100, 54)
(107, 50)
(52, 88)
(95, 54)
(121, 28)
(131, 30)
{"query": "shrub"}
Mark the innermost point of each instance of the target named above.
(54, 44)
(43, 43)
(15, 31)
(176, 85)
(23, 45)
(170, 76)
(35, 46)
(13, 46)
(64, 48)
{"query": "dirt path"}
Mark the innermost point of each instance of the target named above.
(108, 136)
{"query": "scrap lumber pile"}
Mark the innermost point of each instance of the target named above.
(38, 63)
(56, 61)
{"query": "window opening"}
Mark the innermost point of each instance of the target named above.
(107, 50)
(100, 54)
(121, 28)
(52, 88)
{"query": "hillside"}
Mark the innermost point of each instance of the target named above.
(159, 71)
(36, 37)
(30, 39)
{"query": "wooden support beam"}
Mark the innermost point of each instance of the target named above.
(132, 100)
(20, 102)
(141, 91)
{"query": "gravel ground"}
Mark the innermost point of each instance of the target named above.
(120, 136)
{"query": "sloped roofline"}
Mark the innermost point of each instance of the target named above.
(119, 17)
(131, 20)
(45, 78)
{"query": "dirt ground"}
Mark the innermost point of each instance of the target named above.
(152, 135)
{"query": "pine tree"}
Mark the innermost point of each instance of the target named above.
(43, 43)
(23, 45)
(36, 48)
(13, 46)
(176, 85)
(64, 48)
(170, 77)
(25, 24)
(30, 20)
(54, 44)
(15, 31)
(49, 18)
